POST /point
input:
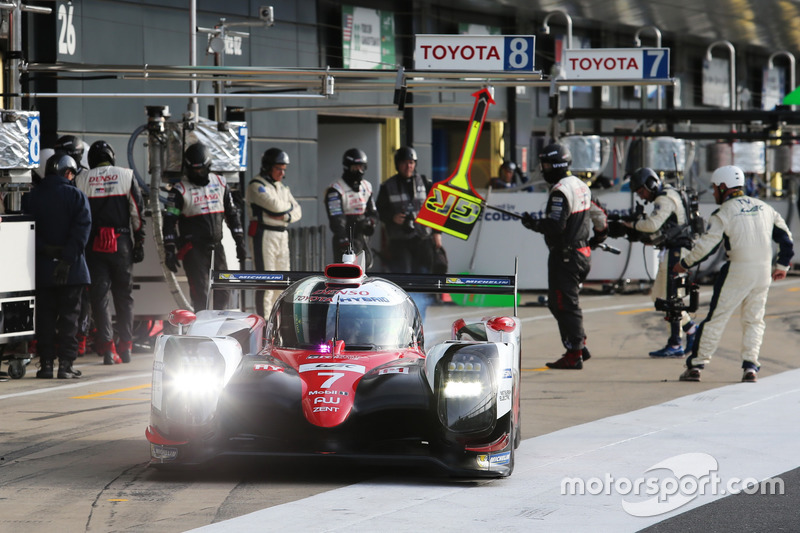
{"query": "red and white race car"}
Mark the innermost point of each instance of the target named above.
(339, 370)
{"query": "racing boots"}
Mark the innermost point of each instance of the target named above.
(109, 352)
(750, 372)
(66, 371)
(668, 351)
(45, 370)
(572, 360)
(124, 350)
(691, 373)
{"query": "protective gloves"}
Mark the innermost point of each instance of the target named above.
(368, 226)
(241, 249)
(171, 257)
(138, 251)
(529, 222)
(61, 272)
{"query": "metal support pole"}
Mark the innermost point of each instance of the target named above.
(546, 30)
(638, 43)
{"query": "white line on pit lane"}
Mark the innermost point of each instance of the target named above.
(76, 385)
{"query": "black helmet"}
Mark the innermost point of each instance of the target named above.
(70, 145)
(273, 156)
(509, 165)
(59, 164)
(405, 153)
(354, 156)
(197, 161)
(351, 157)
(100, 152)
(555, 159)
(647, 178)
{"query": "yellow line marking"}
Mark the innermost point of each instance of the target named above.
(635, 311)
(107, 393)
(794, 289)
(541, 369)
(118, 500)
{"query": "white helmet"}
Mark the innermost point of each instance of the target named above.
(730, 176)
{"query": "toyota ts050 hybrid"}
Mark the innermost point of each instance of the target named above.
(339, 369)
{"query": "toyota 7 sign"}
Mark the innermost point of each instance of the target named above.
(616, 63)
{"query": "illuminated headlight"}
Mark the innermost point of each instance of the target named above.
(197, 381)
(462, 389)
(466, 399)
(194, 376)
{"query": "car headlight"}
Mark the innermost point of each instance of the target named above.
(193, 380)
(466, 391)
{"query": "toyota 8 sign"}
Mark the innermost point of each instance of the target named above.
(496, 53)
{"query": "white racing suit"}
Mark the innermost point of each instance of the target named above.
(667, 204)
(272, 209)
(746, 227)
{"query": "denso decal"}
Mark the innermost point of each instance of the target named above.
(346, 367)
(268, 368)
(500, 458)
(204, 198)
(103, 179)
(394, 370)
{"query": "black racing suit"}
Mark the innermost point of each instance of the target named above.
(193, 223)
(352, 215)
(566, 227)
(410, 245)
(117, 215)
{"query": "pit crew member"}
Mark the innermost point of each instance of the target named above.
(195, 209)
(351, 210)
(115, 244)
(669, 215)
(272, 209)
(570, 217)
(746, 227)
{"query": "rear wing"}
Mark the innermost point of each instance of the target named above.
(429, 283)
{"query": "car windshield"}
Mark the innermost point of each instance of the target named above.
(375, 315)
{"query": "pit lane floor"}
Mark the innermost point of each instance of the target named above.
(74, 458)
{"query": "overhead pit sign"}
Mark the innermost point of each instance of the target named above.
(497, 53)
(616, 63)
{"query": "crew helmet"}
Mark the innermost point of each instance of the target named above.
(101, 152)
(404, 153)
(70, 145)
(271, 157)
(647, 178)
(354, 156)
(508, 165)
(59, 164)
(555, 159)
(731, 176)
(197, 162)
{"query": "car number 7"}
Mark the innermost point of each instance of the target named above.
(330, 381)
